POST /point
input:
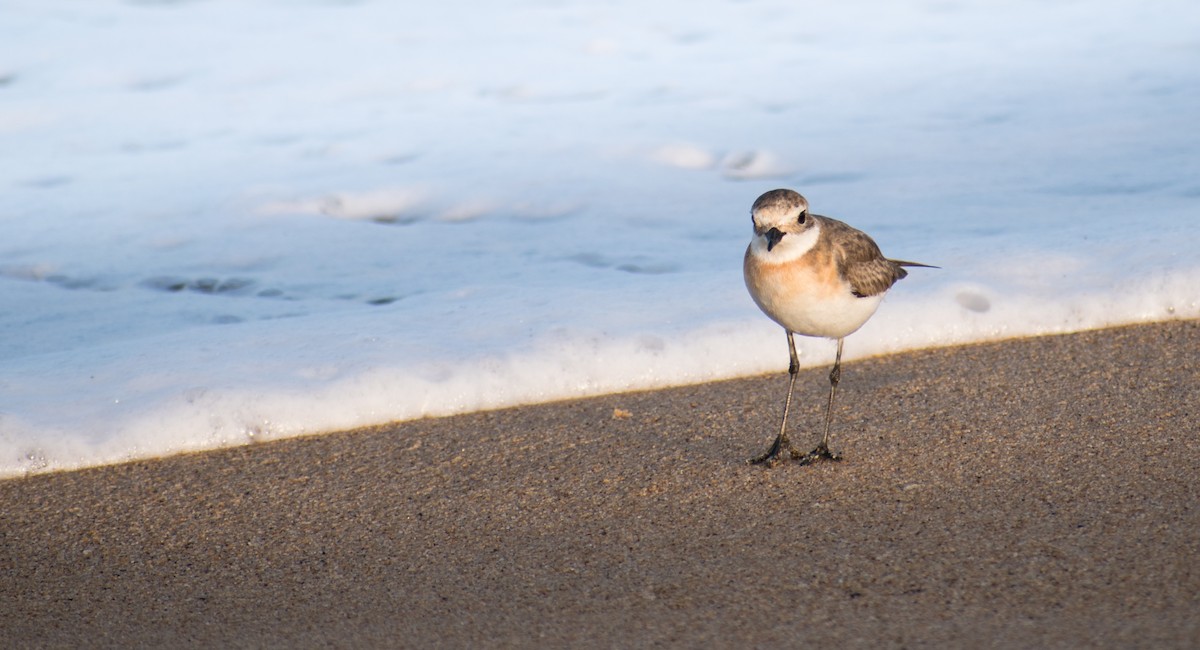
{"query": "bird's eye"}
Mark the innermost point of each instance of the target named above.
(803, 216)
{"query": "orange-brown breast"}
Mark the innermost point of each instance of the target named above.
(813, 276)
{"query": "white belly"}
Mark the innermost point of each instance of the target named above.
(832, 317)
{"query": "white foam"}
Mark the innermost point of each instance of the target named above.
(755, 165)
(683, 155)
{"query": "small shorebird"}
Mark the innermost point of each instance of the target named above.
(815, 276)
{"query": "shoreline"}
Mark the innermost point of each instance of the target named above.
(1026, 492)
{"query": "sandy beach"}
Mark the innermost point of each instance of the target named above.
(1028, 493)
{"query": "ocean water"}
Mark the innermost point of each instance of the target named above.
(226, 222)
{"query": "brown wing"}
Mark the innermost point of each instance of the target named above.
(860, 261)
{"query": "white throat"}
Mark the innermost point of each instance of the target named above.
(791, 247)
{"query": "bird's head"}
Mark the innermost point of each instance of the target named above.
(780, 213)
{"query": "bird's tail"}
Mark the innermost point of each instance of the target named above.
(903, 263)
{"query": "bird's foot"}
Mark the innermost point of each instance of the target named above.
(772, 454)
(820, 453)
(782, 445)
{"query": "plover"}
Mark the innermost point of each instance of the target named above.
(815, 276)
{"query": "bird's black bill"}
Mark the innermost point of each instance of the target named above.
(773, 237)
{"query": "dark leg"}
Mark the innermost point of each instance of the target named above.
(781, 441)
(822, 450)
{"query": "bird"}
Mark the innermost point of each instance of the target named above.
(814, 276)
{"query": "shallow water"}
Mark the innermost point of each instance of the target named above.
(228, 222)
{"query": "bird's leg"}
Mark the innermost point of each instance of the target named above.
(781, 441)
(822, 450)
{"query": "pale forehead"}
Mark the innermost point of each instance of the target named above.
(780, 201)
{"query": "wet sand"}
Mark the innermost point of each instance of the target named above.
(1030, 493)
